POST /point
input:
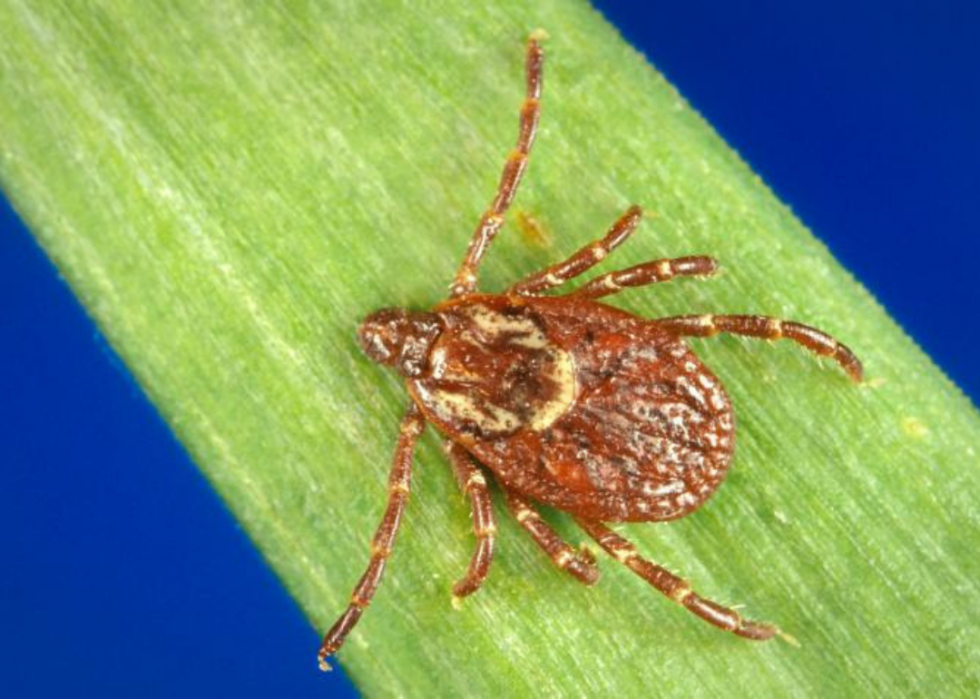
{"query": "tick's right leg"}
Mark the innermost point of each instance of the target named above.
(647, 273)
(767, 328)
(580, 565)
(510, 179)
(677, 588)
(593, 253)
(399, 481)
(583, 260)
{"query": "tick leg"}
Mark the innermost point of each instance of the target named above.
(767, 328)
(580, 565)
(674, 587)
(583, 260)
(647, 273)
(399, 481)
(473, 483)
(493, 218)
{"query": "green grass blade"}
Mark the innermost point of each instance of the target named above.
(229, 187)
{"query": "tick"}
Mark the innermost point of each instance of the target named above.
(566, 402)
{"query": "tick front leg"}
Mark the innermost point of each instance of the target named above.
(647, 273)
(767, 328)
(510, 179)
(399, 483)
(472, 482)
(677, 588)
(580, 565)
(583, 260)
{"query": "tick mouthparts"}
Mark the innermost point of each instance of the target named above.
(382, 333)
(399, 338)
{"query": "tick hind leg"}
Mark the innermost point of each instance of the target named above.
(510, 179)
(767, 328)
(677, 588)
(580, 565)
(473, 483)
(399, 481)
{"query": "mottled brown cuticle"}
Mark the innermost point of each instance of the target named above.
(565, 402)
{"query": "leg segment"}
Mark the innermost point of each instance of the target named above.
(473, 483)
(647, 273)
(399, 481)
(770, 329)
(674, 587)
(578, 565)
(583, 260)
(493, 218)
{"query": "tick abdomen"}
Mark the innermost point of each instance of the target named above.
(579, 405)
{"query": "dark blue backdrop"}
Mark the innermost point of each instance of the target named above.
(124, 576)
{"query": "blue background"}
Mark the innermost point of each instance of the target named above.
(123, 575)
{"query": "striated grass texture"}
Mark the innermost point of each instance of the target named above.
(229, 187)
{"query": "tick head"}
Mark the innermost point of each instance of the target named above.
(400, 338)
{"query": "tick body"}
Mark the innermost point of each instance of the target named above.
(578, 405)
(565, 402)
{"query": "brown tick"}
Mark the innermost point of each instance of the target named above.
(567, 402)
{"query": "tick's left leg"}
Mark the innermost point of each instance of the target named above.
(674, 587)
(767, 328)
(580, 565)
(473, 483)
(399, 482)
